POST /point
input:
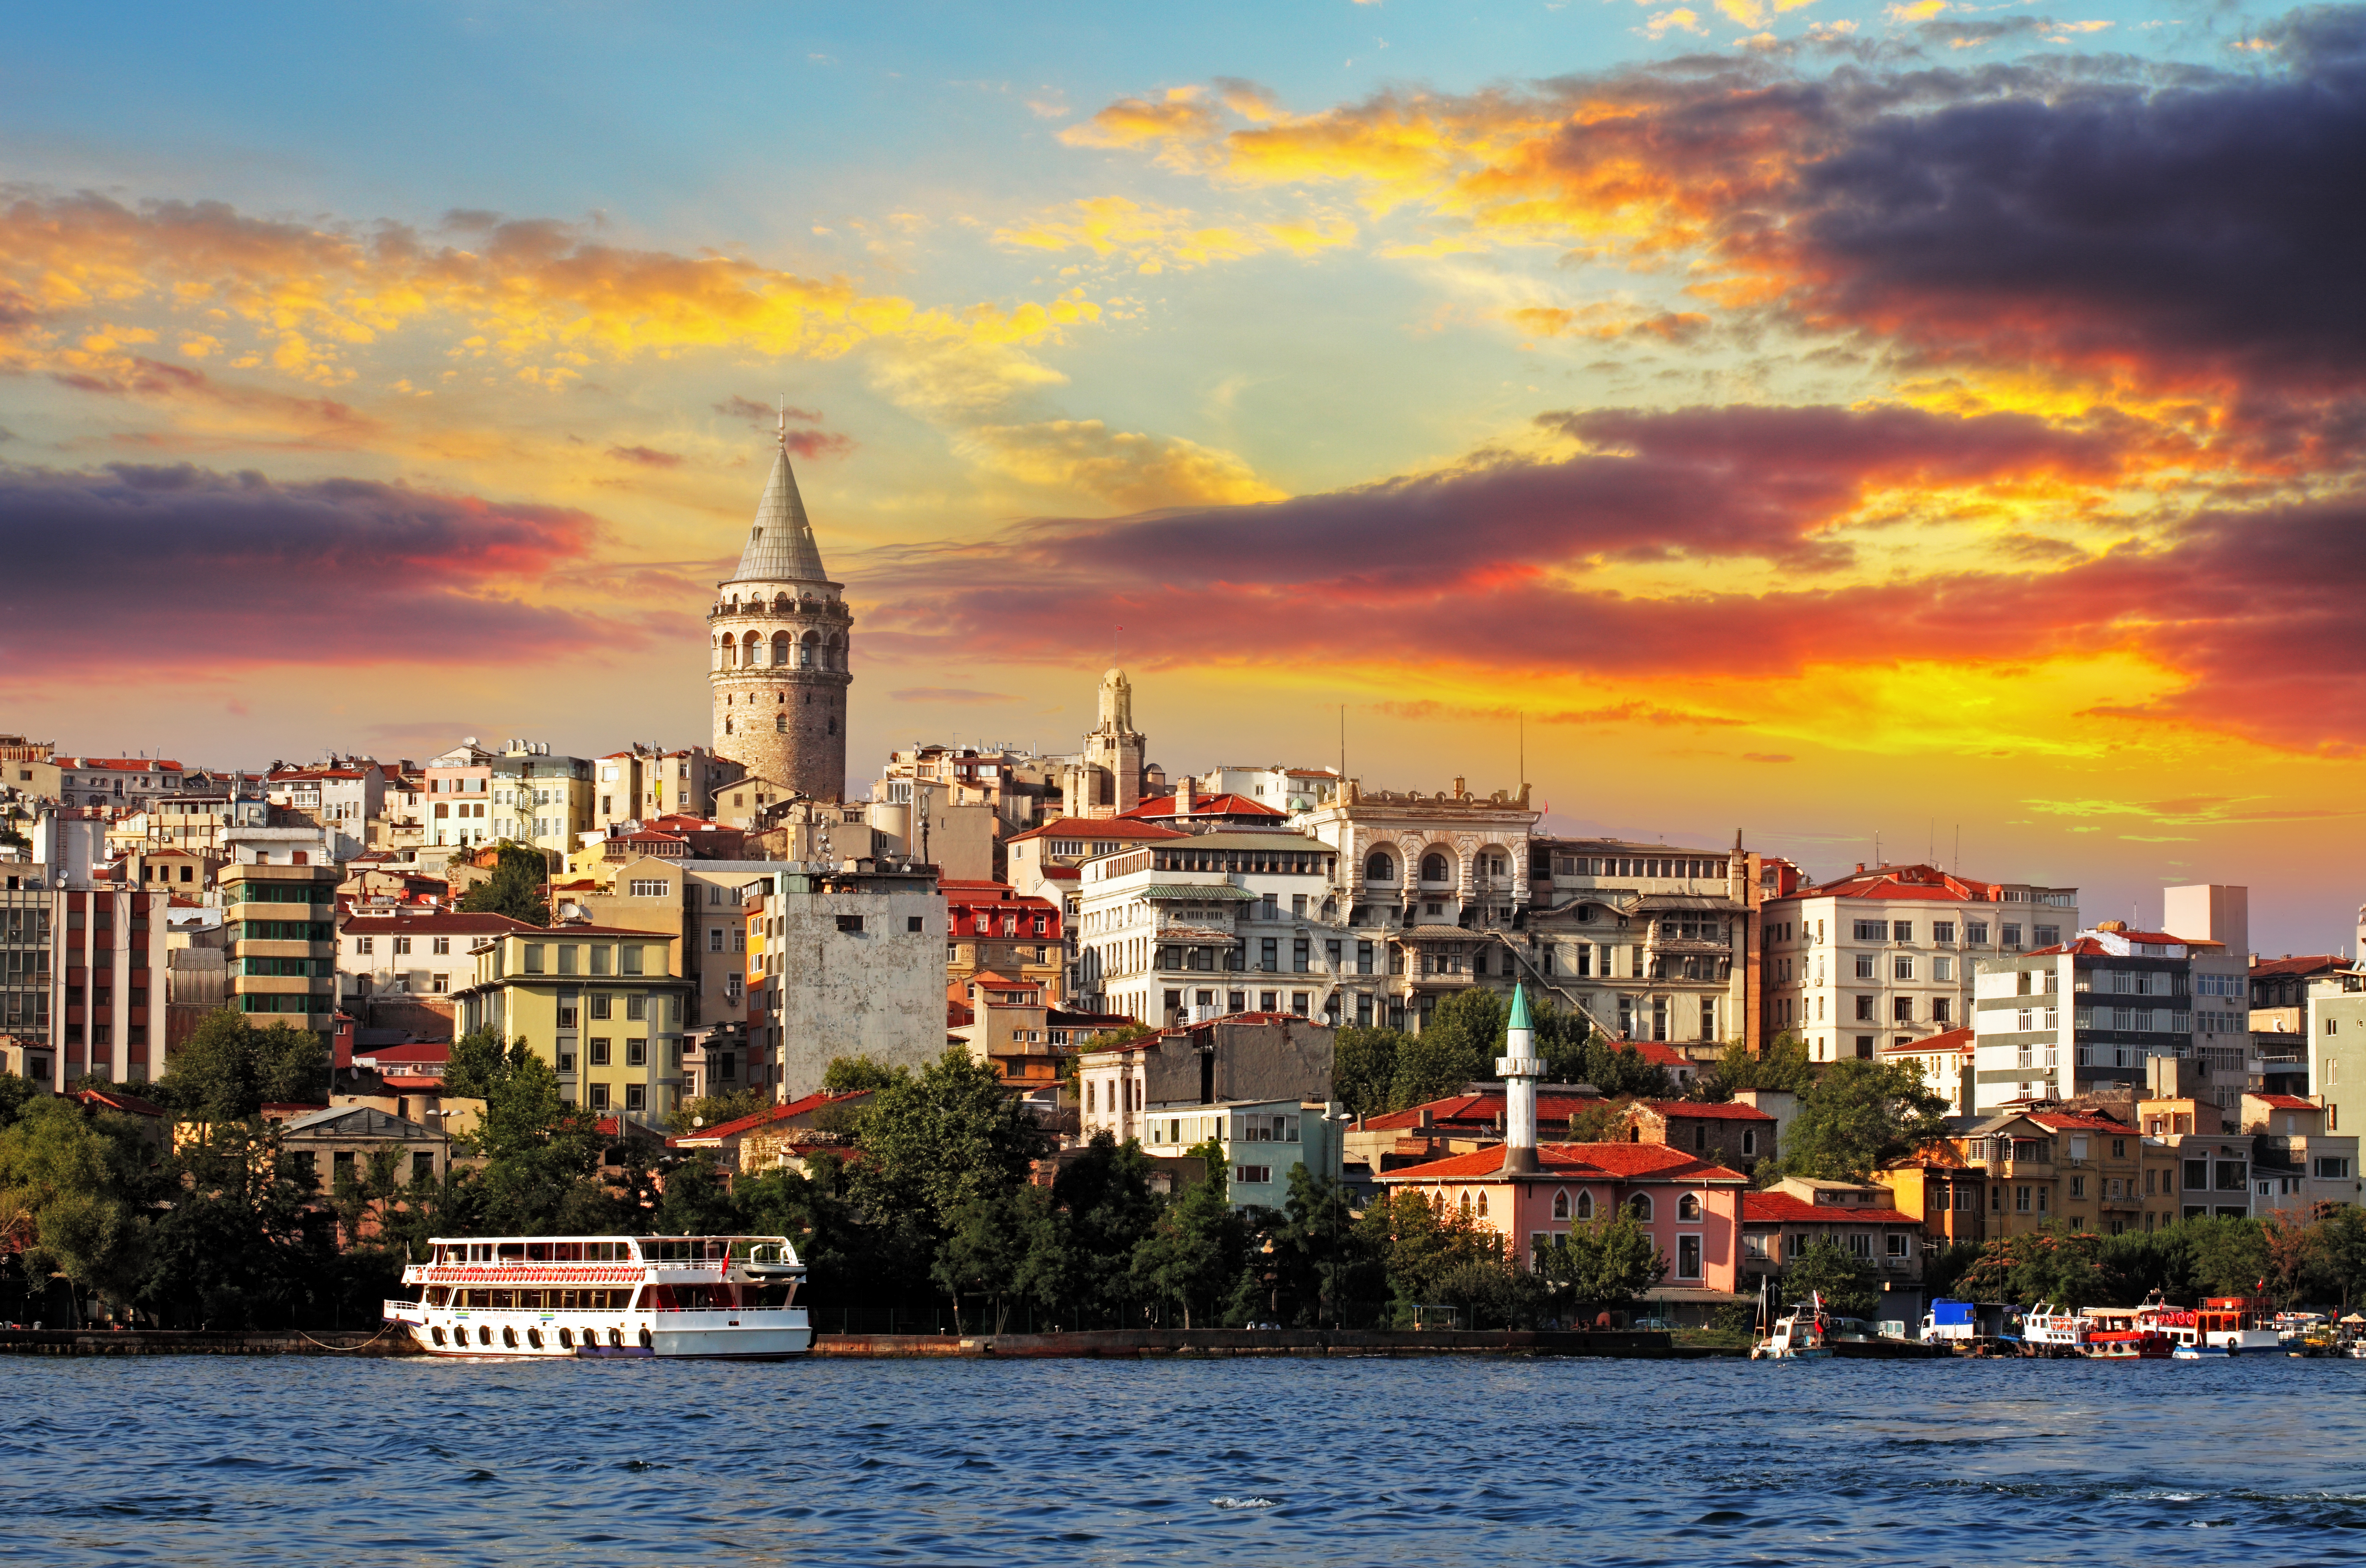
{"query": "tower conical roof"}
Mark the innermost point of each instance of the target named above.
(779, 543)
(1519, 1008)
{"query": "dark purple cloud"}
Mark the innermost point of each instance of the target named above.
(142, 566)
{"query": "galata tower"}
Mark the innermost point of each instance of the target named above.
(778, 636)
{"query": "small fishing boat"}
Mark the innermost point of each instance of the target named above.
(1802, 1334)
(2114, 1334)
(2229, 1325)
(2046, 1332)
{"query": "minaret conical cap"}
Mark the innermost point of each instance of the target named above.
(1519, 1009)
(781, 545)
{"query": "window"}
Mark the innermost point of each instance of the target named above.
(1363, 958)
(1688, 1257)
(444, 946)
(649, 887)
(1865, 969)
(600, 1003)
(1252, 1175)
(2078, 1186)
(1379, 868)
(1639, 1206)
(1975, 933)
(1298, 955)
(1433, 868)
(1860, 1244)
(1688, 1207)
(1942, 968)
(362, 943)
(1901, 1010)
(637, 1009)
(1901, 930)
(628, 959)
(533, 958)
(2329, 1169)
(1897, 1243)
(1943, 932)
(714, 939)
(599, 1050)
(1269, 955)
(2011, 934)
(1561, 1204)
(1749, 1141)
(2021, 1199)
(1872, 930)
(599, 1096)
(1902, 968)
(1864, 1008)
(636, 1053)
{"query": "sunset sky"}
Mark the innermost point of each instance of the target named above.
(1817, 419)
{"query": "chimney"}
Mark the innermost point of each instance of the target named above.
(1183, 798)
(1519, 1070)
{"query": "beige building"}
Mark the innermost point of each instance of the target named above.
(1652, 942)
(641, 782)
(1887, 956)
(281, 922)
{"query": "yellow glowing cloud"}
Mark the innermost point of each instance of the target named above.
(1152, 238)
(1132, 471)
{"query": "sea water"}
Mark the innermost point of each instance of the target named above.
(201, 1461)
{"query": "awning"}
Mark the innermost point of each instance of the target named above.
(1217, 892)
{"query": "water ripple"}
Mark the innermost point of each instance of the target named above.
(210, 1460)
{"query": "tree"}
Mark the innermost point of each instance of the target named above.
(230, 1069)
(1320, 1258)
(1364, 1069)
(697, 1202)
(1858, 1114)
(518, 886)
(933, 1144)
(713, 1110)
(235, 1250)
(1782, 1065)
(1195, 1246)
(1847, 1284)
(847, 1075)
(1456, 1045)
(1106, 1197)
(14, 1094)
(1607, 1263)
(541, 1152)
(1620, 1069)
(994, 1247)
(1599, 1122)
(73, 1187)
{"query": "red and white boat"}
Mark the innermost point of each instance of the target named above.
(2118, 1334)
(517, 1297)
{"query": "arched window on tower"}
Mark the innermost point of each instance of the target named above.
(780, 724)
(835, 657)
(780, 649)
(807, 650)
(750, 660)
(779, 603)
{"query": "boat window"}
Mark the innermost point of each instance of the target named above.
(439, 1295)
(567, 1251)
(509, 1251)
(537, 1251)
(505, 1301)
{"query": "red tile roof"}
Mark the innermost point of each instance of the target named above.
(1953, 1040)
(1905, 882)
(118, 1099)
(1656, 1052)
(119, 764)
(1213, 805)
(407, 1085)
(1708, 1111)
(2078, 1122)
(437, 922)
(2305, 963)
(764, 1118)
(1783, 1209)
(1596, 1162)
(415, 1051)
(1097, 827)
(1478, 1110)
(2283, 1101)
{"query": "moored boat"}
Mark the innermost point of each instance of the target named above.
(2045, 1332)
(520, 1297)
(1802, 1334)
(2229, 1325)
(2114, 1334)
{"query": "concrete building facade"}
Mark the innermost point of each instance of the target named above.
(842, 962)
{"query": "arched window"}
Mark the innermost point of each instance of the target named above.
(779, 603)
(805, 650)
(1466, 1205)
(1585, 1205)
(1561, 1204)
(727, 726)
(1379, 868)
(1688, 1207)
(748, 654)
(779, 648)
(1640, 1206)
(1482, 1204)
(1433, 868)
(780, 724)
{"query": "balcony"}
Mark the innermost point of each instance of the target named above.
(2121, 1206)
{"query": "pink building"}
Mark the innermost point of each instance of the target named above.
(1528, 1192)
(1691, 1209)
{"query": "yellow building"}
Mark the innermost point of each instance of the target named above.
(602, 1005)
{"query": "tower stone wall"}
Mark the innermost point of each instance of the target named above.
(779, 640)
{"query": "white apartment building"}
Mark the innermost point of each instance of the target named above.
(2083, 1015)
(538, 798)
(1285, 790)
(2337, 1048)
(343, 792)
(1883, 956)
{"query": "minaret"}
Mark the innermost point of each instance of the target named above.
(1519, 1070)
(777, 644)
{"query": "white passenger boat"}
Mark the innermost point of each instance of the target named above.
(515, 1297)
(2046, 1332)
(2229, 1325)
